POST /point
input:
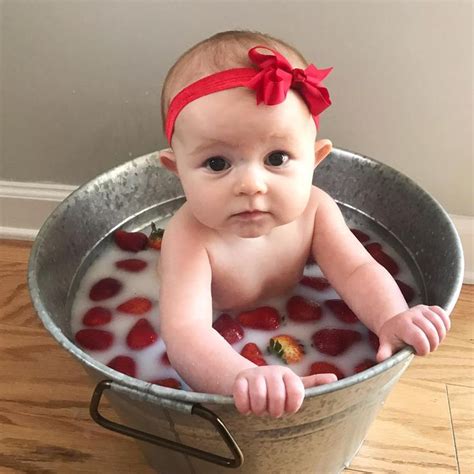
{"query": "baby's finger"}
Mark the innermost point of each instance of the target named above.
(429, 329)
(276, 396)
(437, 322)
(384, 352)
(442, 314)
(294, 393)
(258, 395)
(416, 338)
(241, 395)
(318, 379)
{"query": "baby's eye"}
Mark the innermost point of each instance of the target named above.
(216, 163)
(277, 158)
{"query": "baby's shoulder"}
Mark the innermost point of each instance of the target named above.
(318, 199)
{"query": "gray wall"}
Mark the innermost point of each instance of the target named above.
(81, 81)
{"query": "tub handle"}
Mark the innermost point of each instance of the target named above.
(196, 409)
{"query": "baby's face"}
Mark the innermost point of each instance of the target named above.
(234, 157)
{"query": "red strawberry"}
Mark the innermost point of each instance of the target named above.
(97, 316)
(105, 288)
(141, 335)
(131, 241)
(265, 317)
(156, 237)
(318, 283)
(341, 311)
(137, 305)
(335, 341)
(169, 382)
(251, 352)
(364, 365)
(164, 359)
(374, 341)
(94, 339)
(361, 236)
(407, 291)
(301, 309)
(131, 265)
(123, 364)
(228, 328)
(322, 367)
(381, 257)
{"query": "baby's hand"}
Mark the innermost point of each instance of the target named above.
(422, 327)
(273, 389)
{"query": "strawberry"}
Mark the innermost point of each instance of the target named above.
(169, 382)
(94, 339)
(301, 309)
(360, 236)
(131, 265)
(131, 241)
(335, 341)
(287, 348)
(97, 316)
(164, 359)
(137, 305)
(407, 291)
(228, 328)
(317, 283)
(375, 249)
(251, 352)
(364, 365)
(124, 364)
(341, 311)
(374, 341)
(264, 317)
(105, 288)
(141, 335)
(322, 367)
(156, 237)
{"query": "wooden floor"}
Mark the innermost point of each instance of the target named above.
(426, 425)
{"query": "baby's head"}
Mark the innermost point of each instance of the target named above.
(231, 154)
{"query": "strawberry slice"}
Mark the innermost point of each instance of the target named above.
(374, 341)
(97, 316)
(130, 241)
(156, 237)
(105, 288)
(164, 359)
(360, 236)
(169, 382)
(322, 367)
(124, 364)
(251, 352)
(94, 339)
(407, 291)
(137, 305)
(375, 249)
(264, 317)
(301, 309)
(317, 283)
(228, 328)
(341, 311)
(141, 335)
(335, 341)
(287, 348)
(364, 365)
(133, 265)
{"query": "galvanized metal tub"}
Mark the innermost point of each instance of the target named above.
(188, 432)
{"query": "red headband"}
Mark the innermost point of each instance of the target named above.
(271, 82)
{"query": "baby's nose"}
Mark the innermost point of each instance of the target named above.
(250, 181)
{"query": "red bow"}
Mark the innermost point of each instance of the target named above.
(276, 77)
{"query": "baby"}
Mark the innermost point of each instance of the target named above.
(241, 113)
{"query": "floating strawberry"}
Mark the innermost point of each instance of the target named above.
(137, 305)
(141, 335)
(105, 288)
(322, 367)
(301, 309)
(407, 291)
(251, 352)
(361, 236)
(374, 341)
(364, 365)
(335, 341)
(228, 328)
(97, 316)
(133, 265)
(169, 382)
(164, 359)
(287, 348)
(317, 283)
(156, 236)
(131, 241)
(124, 364)
(375, 249)
(264, 317)
(94, 339)
(341, 311)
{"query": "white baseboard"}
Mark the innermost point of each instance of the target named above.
(25, 206)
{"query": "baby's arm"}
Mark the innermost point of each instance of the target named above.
(369, 289)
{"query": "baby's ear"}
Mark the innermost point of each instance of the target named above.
(168, 160)
(322, 149)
